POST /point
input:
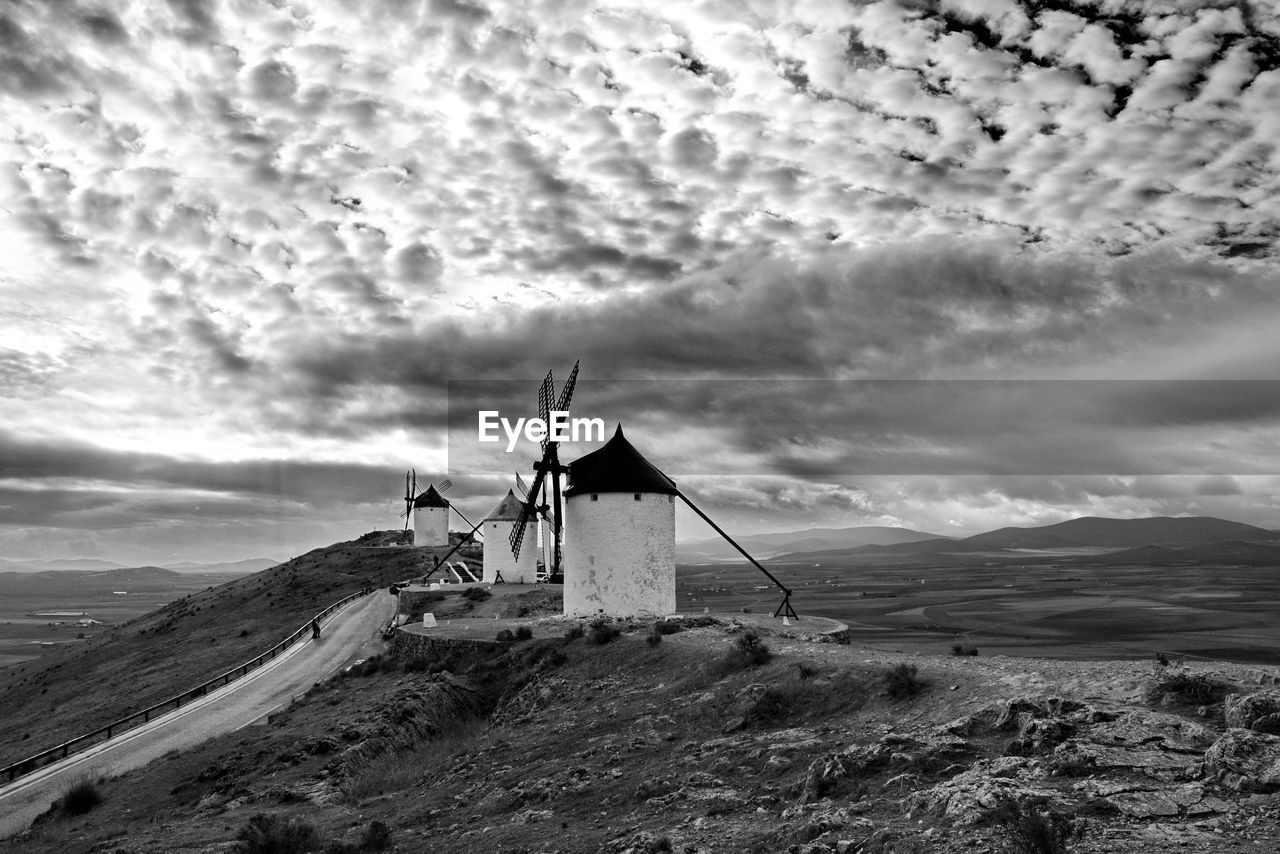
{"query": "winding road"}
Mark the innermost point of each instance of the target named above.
(350, 633)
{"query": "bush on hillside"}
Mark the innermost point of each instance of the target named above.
(902, 681)
(80, 798)
(268, 834)
(603, 632)
(1026, 830)
(747, 651)
(1192, 689)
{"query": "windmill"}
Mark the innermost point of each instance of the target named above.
(410, 493)
(547, 468)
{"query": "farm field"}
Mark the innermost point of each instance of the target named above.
(24, 635)
(1005, 607)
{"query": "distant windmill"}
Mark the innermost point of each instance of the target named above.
(548, 468)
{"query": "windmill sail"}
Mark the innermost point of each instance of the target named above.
(547, 468)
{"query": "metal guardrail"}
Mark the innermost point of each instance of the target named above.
(75, 745)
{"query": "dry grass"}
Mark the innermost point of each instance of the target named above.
(402, 771)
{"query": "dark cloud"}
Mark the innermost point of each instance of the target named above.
(105, 27)
(197, 21)
(67, 465)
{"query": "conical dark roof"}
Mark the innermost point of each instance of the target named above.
(430, 498)
(617, 467)
(508, 509)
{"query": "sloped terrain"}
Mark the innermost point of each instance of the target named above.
(683, 744)
(134, 665)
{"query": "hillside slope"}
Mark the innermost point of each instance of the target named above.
(134, 665)
(571, 747)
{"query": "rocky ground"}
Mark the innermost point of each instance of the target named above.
(695, 743)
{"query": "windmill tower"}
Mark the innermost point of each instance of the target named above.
(430, 519)
(620, 541)
(499, 563)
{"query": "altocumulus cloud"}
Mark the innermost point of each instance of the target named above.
(254, 232)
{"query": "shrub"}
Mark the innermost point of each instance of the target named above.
(805, 671)
(902, 681)
(574, 632)
(476, 594)
(506, 636)
(523, 633)
(80, 798)
(963, 649)
(1028, 831)
(747, 651)
(654, 637)
(267, 834)
(603, 632)
(1194, 689)
(666, 627)
(377, 837)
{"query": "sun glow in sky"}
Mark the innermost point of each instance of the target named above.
(249, 245)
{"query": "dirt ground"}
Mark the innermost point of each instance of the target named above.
(563, 744)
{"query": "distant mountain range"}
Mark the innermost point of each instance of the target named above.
(1196, 539)
(129, 579)
(238, 567)
(767, 545)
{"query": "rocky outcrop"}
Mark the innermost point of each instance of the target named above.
(1245, 760)
(968, 797)
(1247, 711)
(895, 752)
(1152, 744)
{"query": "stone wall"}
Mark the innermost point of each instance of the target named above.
(406, 644)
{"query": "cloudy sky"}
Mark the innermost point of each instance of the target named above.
(830, 261)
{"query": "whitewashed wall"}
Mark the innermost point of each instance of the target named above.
(620, 555)
(430, 526)
(497, 553)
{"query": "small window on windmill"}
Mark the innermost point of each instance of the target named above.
(595, 496)
(637, 496)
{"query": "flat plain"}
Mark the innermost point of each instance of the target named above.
(1006, 605)
(39, 613)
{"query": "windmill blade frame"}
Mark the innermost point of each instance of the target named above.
(566, 393)
(545, 393)
(526, 510)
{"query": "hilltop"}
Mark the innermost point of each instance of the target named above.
(809, 540)
(687, 744)
(48, 700)
(1091, 533)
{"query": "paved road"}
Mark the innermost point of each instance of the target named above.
(351, 633)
